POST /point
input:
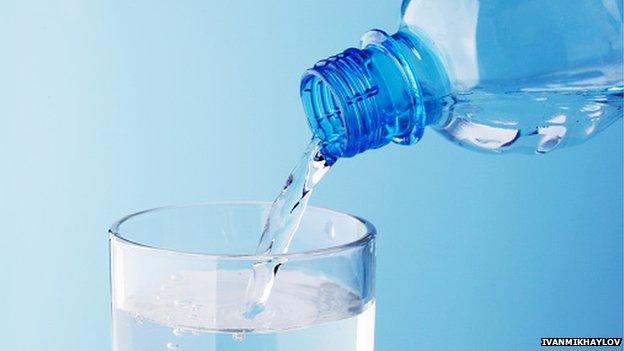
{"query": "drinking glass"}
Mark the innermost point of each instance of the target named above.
(179, 277)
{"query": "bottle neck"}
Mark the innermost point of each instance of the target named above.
(365, 98)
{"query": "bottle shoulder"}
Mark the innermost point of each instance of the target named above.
(530, 76)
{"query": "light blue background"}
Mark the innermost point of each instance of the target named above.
(109, 107)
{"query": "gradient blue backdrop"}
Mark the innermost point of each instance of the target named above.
(109, 107)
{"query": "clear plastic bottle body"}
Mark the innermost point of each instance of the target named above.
(490, 75)
(523, 76)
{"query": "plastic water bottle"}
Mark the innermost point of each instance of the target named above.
(490, 75)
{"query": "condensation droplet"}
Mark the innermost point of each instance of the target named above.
(172, 346)
(238, 337)
(176, 277)
(192, 315)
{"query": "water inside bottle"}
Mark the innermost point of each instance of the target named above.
(281, 224)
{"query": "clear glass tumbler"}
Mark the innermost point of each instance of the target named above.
(179, 277)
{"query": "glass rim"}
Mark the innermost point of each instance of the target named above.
(368, 236)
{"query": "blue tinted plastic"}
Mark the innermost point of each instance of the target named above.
(496, 76)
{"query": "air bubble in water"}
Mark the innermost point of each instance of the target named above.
(178, 331)
(139, 319)
(183, 303)
(238, 337)
(172, 346)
